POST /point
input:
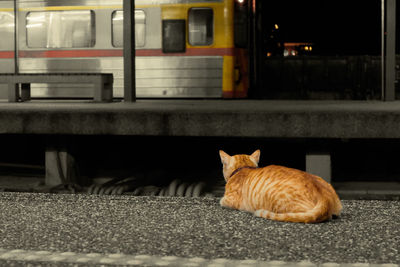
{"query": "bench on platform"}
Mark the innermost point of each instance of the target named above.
(102, 82)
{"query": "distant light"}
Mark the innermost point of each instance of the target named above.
(285, 53)
(306, 48)
(240, 1)
(276, 26)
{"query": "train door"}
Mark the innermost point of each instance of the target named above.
(7, 62)
(191, 61)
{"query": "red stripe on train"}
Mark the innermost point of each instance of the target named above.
(6, 54)
(119, 53)
(70, 53)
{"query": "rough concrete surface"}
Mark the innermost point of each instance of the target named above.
(366, 232)
(242, 118)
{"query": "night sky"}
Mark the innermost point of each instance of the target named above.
(340, 27)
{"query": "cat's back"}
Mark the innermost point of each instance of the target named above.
(274, 179)
(279, 172)
(300, 183)
(282, 172)
(283, 178)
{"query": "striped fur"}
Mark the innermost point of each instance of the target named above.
(276, 192)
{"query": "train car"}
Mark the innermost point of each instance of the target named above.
(184, 48)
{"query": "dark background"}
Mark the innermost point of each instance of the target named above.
(342, 27)
(345, 61)
(164, 159)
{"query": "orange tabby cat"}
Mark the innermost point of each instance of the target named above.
(276, 192)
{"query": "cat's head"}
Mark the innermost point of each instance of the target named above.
(232, 163)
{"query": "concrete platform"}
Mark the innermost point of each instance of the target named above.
(368, 190)
(81, 229)
(236, 118)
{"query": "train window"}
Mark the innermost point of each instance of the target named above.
(60, 29)
(201, 26)
(117, 28)
(173, 36)
(7, 30)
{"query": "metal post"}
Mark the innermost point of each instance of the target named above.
(383, 49)
(252, 42)
(16, 69)
(129, 51)
(13, 89)
(390, 62)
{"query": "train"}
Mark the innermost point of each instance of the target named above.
(184, 48)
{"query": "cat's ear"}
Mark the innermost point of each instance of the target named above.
(256, 156)
(224, 157)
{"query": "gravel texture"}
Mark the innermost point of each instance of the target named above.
(367, 231)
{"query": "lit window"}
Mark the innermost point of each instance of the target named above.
(118, 27)
(201, 26)
(60, 29)
(7, 30)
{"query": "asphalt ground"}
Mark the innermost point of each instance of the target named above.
(366, 232)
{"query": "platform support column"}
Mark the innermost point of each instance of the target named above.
(60, 163)
(58, 166)
(319, 164)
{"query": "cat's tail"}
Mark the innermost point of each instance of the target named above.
(320, 212)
